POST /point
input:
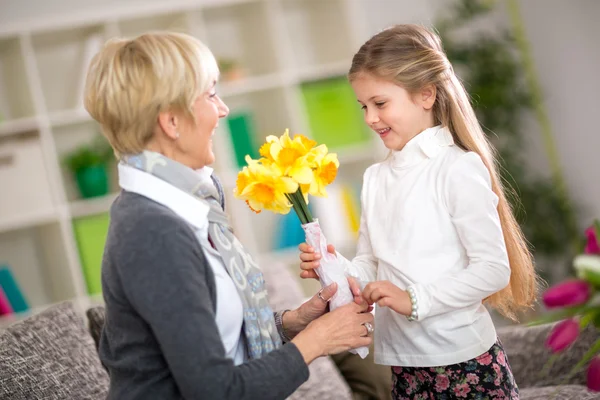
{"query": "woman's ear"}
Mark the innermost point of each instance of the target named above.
(168, 124)
(427, 96)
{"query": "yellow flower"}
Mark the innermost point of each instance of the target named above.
(324, 174)
(264, 187)
(291, 156)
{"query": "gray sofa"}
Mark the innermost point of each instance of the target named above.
(52, 355)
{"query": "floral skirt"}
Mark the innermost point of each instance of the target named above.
(485, 377)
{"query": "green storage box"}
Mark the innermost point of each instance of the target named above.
(241, 131)
(90, 233)
(334, 115)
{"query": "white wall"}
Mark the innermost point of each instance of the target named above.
(564, 41)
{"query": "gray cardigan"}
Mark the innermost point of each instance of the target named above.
(160, 340)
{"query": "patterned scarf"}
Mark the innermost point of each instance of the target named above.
(259, 325)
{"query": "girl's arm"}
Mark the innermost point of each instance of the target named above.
(473, 208)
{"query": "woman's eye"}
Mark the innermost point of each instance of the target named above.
(380, 104)
(363, 107)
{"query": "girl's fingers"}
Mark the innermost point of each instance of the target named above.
(305, 248)
(310, 256)
(308, 275)
(309, 265)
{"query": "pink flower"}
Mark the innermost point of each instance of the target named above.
(501, 358)
(591, 247)
(472, 379)
(593, 375)
(484, 359)
(570, 293)
(397, 370)
(499, 374)
(562, 335)
(441, 383)
(461, 390)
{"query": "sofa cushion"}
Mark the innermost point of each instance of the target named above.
(50, 356)
(566, 392)
(528, 355)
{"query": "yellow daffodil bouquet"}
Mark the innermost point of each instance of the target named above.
(289, 170)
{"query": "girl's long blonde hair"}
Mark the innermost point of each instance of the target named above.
(412, 57)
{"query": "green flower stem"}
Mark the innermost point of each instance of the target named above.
(300, 206)
(564, 314)
(297, 209)
(304, 206)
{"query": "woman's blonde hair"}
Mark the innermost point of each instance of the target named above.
(130, 81)
(412, 57)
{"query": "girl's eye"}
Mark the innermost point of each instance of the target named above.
(363, 107)
(380, 104)
(213, 94)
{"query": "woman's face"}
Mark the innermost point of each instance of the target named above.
(196, 139)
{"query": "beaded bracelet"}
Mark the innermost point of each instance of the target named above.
(415, 305)
(279, 324)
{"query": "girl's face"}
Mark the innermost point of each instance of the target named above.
(394, 114)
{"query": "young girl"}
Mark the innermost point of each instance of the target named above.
(437, 235)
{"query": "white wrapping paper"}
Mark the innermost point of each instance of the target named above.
(331, 270)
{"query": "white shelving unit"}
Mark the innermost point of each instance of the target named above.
(280, 43)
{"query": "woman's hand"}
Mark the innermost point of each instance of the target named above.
(337, 331)
(310, 260)
(386, 294)
(296, 320)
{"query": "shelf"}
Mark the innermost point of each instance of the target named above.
(28, 220)
(74, 130)
(68, 117)
(318, 32)
(240, 33)
(279, 46)
(17, 126)
(62, 60)
(325, 71)
(96, 205)
(15, 94)
(133, 27)
(253, 84)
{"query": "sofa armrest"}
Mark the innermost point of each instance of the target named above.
(527, 354)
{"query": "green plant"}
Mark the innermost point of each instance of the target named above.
(94, 154)
(493, 73)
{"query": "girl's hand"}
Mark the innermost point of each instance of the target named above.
(386, 294)
(310, 260)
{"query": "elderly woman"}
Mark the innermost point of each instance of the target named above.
(187, 312)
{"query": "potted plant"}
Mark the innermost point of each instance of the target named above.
(88, 164)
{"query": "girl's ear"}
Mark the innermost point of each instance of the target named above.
(168, 123)
(427, 96)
